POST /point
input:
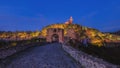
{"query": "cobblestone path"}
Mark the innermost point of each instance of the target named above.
(48, 56)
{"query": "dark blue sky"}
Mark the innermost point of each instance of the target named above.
(35, 14)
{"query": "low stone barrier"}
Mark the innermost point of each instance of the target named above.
(10, 51)
(86, 60)
(5, 53)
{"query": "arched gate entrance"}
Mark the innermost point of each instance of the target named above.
(55, 35)
(55, 38)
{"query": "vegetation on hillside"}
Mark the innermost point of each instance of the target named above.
(19, 35)
(96, 37)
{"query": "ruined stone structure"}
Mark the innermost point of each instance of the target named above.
(55, 35)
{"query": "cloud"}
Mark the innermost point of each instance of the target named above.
(11, 19)
(118, 7)
(90, 15)
(88, 18)
(111, 26)
(21, 21)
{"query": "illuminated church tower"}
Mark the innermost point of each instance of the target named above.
(70, 21)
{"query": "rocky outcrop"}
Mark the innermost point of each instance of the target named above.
(86, 60)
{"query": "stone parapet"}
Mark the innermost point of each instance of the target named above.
(86, 60)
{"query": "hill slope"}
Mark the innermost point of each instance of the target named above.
(96, 37)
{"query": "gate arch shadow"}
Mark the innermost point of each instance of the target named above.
(55, 38)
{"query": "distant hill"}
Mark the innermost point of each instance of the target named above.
(18, 35)
(94, 35)
(116, 33)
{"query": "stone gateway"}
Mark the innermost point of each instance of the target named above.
(55, 35)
